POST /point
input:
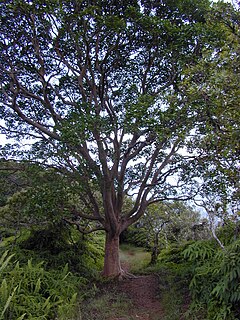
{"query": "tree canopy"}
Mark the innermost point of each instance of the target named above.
(212, 87)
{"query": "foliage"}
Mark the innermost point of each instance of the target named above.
(135, 235)
(28, 291)
(214, 83)
(12, 179)
(51, 267)
(38, 202)
(203, 277)
(181, 220)
(214, 285)
(57, 246)
(105, 94)
(164, 224)
(229, 231)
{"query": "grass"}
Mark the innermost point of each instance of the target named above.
(137, 258)
(105, 305)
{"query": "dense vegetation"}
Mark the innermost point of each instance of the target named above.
(119, 100)
(47, 275)
(203, 278)
(44, 274)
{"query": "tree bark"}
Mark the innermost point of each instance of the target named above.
(154, 255)
(112, 266)
(155, 250)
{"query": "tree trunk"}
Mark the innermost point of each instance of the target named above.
(155, 250)
(154, 255)
(112, 267)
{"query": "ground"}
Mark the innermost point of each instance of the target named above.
(143, 293)
(133, 298)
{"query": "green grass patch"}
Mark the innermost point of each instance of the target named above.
(137, 258)
(107, 303)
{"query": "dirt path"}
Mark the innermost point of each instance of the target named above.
(132, 298)
(143, 292)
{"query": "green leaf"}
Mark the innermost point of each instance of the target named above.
(8, 302)
(4, 261)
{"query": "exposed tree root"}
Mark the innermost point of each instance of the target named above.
(123, 274)
(126, 275)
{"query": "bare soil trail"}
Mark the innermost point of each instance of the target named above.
(143, 293)
(136, 297)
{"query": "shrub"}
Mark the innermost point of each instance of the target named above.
(30, 292)
(136, 236)
(57, 246)
(215, 281)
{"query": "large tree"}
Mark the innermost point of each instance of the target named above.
(86, 89)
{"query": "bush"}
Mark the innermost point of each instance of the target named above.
(30, 292)
(215, 281)
(57, 246)
(136, 236)
(174, 274)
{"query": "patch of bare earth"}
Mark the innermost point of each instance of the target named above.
(143, 293)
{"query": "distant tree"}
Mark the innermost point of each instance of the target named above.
(168, 221)
(154, 220)
(219, 212)
(91, 89)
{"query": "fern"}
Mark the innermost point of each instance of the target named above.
(215, 279)
(29, 291)
(199, 251)
(227, 288)
(8, 301)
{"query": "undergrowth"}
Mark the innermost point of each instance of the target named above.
(30, 292)
(202, 278)
(215, 280)
(46, 273)
(174, 277)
